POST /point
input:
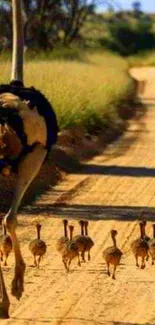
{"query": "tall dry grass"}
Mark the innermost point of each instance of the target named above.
(142, 59)
(86, 92)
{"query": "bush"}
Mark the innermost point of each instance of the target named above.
(128, 36)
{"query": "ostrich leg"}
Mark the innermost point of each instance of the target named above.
(27, 170)
(4, 301)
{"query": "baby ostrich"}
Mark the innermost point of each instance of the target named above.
(81, 241)
(37, 247)
(28, 133)
(146, 238)
(113, 254)
(152, 245)
(6, 246)
(70, 251)
(62, 240)
(140, 246)
(89, 241)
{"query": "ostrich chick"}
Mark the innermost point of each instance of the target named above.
(81, 241)
(89, 241)
(152, 245)
(70, 251)
(140, 246)
(6, 246)
(112, 255)
(64, 239)
(37, 246)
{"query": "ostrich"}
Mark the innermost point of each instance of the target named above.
(28, 130)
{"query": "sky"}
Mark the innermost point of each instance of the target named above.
(147, 5)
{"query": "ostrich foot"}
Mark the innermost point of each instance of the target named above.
(79, 263)
(83, 257)
(18, 280)
(89, 258)
(147, 257)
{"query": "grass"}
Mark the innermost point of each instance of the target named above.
(143, 59)
(87, 92)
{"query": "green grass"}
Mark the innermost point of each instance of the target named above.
(86, 93)
(143, 59)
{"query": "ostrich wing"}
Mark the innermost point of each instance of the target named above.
(9, 105)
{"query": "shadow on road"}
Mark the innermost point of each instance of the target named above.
(93, 212)
(117, 171)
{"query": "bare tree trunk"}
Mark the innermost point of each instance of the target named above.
(18, 41)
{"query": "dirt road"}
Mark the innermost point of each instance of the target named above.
(112, 190)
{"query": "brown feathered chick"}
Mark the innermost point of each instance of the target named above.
(140, 246)
(81, 241)
(62, 240)
(70, 251)
(112, 255)
(152, 245)
(5, 246)
(37, 247)
(89, 241)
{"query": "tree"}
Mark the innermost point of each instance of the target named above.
(75, 15)
(129, 34)
(137, 8)
(43, 23)
(50, 22)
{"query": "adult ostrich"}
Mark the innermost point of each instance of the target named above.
(28, 130)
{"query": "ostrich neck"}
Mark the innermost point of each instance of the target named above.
(38, 233)
(4, 230)
(71, 234)
(65, 230)
(114, 241)
(82, 230)
(141, 232)
(153, 232)
(86, 230)
(18, 41)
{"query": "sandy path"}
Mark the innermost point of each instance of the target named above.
(112, 190)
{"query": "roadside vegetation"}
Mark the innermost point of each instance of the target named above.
(80, 58)
(142, 59)
(87, 92)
